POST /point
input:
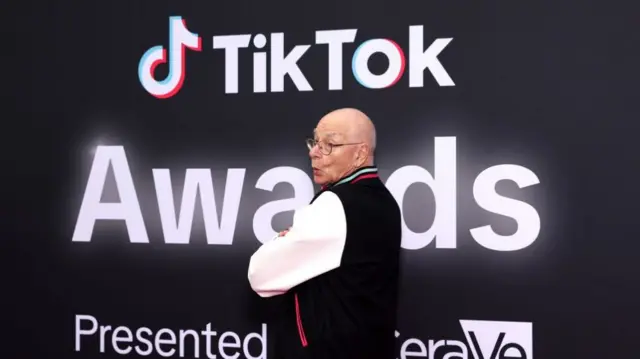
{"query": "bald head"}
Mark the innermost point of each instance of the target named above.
(358, 125)
(353, 124)
(352, 138)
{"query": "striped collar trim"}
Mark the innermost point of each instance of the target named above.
(362, 173)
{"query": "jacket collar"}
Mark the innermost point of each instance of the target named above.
(357, 175)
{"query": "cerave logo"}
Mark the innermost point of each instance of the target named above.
(484, 340)
(176, 206)
(499, 340)
(282, 65)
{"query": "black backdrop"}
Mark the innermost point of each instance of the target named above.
(541, 86)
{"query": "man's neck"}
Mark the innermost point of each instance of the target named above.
(363, 171)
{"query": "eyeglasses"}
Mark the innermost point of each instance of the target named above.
(326, 148)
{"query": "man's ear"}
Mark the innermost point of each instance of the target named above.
(363, 153)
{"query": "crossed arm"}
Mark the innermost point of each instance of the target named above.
(312, 246)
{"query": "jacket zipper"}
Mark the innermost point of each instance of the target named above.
(303, 338)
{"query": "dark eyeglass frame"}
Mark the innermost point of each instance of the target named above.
(311, 143)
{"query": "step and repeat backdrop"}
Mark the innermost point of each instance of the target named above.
(163, 142)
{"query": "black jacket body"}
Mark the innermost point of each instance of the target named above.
(333, 277)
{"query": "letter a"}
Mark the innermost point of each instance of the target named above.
(92, 209)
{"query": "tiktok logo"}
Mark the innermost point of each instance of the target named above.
(179, 38)
(417, 60)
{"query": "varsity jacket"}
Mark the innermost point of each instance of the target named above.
(333, 277)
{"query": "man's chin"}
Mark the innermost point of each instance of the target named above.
(319, 180)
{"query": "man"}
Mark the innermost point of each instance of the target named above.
(336, 268)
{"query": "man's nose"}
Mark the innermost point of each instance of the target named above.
(314, 152)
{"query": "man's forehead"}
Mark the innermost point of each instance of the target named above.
(332, 125)
(326, 133)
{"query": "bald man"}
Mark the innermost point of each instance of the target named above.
(336, 269)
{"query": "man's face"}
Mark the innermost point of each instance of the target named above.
(340, 162)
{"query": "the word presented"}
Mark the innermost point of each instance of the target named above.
(92, 336)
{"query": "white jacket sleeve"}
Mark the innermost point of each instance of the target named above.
(313, 246)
